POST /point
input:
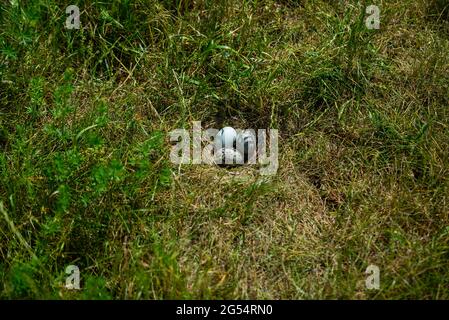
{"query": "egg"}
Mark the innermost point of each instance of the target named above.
(227, 156)
(226, 138)
(246, 144)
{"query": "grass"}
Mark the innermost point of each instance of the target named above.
(85, 175)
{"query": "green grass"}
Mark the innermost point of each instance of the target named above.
(86, 179)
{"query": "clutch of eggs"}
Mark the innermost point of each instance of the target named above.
(235, 148)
